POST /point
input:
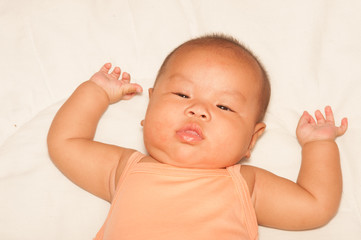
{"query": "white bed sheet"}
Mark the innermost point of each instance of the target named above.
(311, 50)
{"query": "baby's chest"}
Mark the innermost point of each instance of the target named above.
(168, 202)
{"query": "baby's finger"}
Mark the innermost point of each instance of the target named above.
(319, 117)
(105, 68)
(306, 118)
(126, 77)
(129, 90)
(329, 114)
(115, 74)
(342, 129)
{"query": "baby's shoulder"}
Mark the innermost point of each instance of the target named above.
(123, 160)
(249, 175)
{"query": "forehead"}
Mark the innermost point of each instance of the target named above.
(212, 64)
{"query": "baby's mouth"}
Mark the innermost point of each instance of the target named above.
(190, 133)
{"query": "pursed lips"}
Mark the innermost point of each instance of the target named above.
(190, 133)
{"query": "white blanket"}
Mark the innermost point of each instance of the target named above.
(311, 49)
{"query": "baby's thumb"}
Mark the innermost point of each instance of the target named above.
(131, 89)
(342, 129)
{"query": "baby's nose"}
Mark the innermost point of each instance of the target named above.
(198, 111)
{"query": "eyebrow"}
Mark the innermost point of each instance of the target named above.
(234, 93)
(181, 77)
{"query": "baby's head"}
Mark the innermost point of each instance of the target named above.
(230, 46)
(207, 104)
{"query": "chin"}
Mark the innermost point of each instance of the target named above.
(189, 162)
(190, 158)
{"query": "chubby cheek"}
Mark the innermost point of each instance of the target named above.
(156, 129)
(154, 132)
(235, 143)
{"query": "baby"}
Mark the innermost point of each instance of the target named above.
(204, 115)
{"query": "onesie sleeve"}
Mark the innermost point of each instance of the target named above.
(130, 162)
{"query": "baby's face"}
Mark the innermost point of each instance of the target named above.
(202, 112)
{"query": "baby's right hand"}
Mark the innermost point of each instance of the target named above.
(116, 89)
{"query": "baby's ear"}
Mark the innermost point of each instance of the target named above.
(258, 131)
(150, 91)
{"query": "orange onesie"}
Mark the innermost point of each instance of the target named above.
(159, 201)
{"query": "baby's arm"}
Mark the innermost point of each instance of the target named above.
(315, 198)
(70, 140)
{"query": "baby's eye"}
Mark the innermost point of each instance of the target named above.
(181, 95)
(225, 108)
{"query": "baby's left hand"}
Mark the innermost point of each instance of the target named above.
(308, 130)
